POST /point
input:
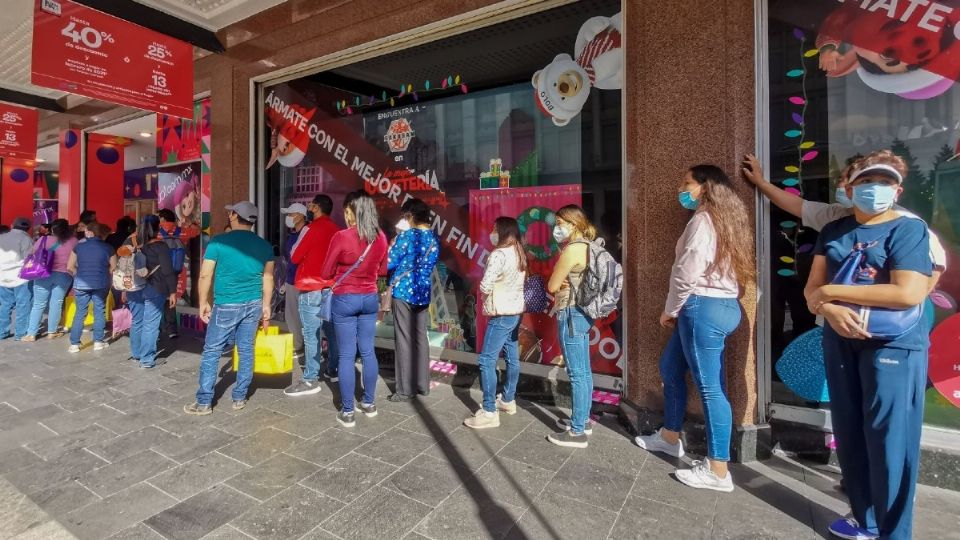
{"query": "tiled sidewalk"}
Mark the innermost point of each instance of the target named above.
(93, 447)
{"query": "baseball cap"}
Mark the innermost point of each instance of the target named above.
(245, 209)
(21, 223)
(879, 168)
(295, 208)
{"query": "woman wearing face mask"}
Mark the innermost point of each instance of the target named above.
(573, 230)
(876, 385)
(713, 260)
(356, 258)
(502, 287)
(410, 262)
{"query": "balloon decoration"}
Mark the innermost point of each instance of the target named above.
(450, 84)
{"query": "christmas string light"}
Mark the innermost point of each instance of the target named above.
(450, 83)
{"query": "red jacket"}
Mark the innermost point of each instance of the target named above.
(345, 249)
(309, 253)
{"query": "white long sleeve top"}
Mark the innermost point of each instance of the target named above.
(502, 284)
(692, 269)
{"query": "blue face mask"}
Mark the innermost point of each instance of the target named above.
(842, 198)
(687, 201)
(874, 199)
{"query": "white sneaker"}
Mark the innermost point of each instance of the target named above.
(564, 424)
(701, 477)
(509, 407)
(100, 345)
(482, 420)
(655, 443)
(73, 349)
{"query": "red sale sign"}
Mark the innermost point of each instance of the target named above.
(83, 51)
(18, 132)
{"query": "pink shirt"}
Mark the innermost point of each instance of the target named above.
(692, 272)
(62, 254)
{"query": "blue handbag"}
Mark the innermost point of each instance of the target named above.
(882, 323)
(326, 295)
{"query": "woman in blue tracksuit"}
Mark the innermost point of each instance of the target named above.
(876, 385)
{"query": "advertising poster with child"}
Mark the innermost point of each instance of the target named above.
(179, 191)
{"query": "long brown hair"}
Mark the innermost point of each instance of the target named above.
(729, 214)
(575, 216)
(508, 234)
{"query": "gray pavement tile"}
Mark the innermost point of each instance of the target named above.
(204, 512)
(599, 485)
(68, 466)
(183, 423)
(17, 513)
(533, 448)
(124, 473)
(317, 533)
(19, 436)
(348, 477)
(464, 448)
(433, 423)
(6, 409)
(657, 483)
(510, 427)
(29, 416)
(557, 517)
(315, 405)
(308, 426)
(132, 443)
(23, 400)
(415, 536)
(379, 514)
(250, 423)
(225, 532)
(736, 520)
(397, 446)
(427, 480)
(117, 512)
(156, 397)
(139, 385)
(63, 498)
(328, 447)
(469, 515)
(646, 519)
(50, 448)
(290, 514)
(935, 513)
(184, 389)
(618, 452)
(260, 446)
(194, 444)
(138, 532)
(71, 422)
(382, 422)
(511, 481)
(195, 476)
(147, 416)
(272, 476)
(17, 458)
(103, 395)
(49, 530)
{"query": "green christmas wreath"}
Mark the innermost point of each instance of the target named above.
(547, 217)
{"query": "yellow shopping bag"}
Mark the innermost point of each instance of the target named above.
(70, 309)
(272, 352)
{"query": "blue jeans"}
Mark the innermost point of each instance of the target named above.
(83, 299)
(16, 299)
(355, 324)
(697, 344)
(574, 333)
(312, 326)
(49, 291)
(229, 322)
(502, 333)
(146, 307)
(876, 403)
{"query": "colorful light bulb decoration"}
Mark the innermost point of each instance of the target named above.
(447, 84)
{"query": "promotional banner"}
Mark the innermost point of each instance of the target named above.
(178, 189)
(16, 190)
(18, 132)
(80, 50)
(140, 184)
(180, 140)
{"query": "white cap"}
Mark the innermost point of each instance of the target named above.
(880, 167)
(295, 208)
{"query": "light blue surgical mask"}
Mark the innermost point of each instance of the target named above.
(687, 201)
(842, 198)
(874, 199)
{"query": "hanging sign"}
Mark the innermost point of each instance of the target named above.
(80, 50)
(18, 132)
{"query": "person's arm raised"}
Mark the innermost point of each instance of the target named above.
(788, 202)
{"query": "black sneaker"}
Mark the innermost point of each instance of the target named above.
(302, 388)
(332, 378)
(173, 335)
(398, 398)
(197, 409)
(568, 439)
(239, 404)
(346, 419)
(370, 410)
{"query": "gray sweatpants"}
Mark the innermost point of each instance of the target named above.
(291, 313)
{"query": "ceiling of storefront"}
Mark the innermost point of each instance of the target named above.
(211, 14)
(141, 153)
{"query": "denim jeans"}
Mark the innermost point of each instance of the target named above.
(355, 324)
(17, 299)
(312, 328)
(573, 327)
(697, 344)
(229, 322)
(49, 291)
(83, 299)
(146, 307)
(502, 333)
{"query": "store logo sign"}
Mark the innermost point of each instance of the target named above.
(51, 6)
(399, 135)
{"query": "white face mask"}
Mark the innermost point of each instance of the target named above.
(402, 225)
(494, 239)
(290, 223)
(560, 234)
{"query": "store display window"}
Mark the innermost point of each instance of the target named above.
(846, 79)
(518, 119)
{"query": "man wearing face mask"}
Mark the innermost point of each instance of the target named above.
(308, 253)
(295, 220)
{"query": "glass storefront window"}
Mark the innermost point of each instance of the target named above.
(847, 79)
(458, 124)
